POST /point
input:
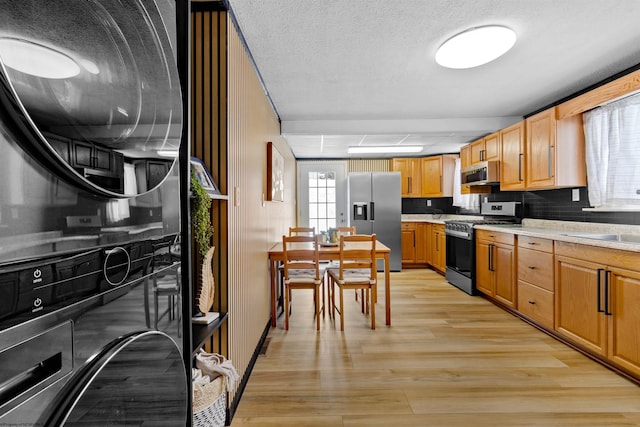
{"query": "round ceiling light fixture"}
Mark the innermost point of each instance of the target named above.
(475, 46)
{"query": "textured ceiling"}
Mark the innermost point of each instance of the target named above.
(353, 72)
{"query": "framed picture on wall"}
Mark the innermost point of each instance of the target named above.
(204, 177)
(275, 174)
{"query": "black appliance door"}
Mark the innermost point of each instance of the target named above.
(460, 255)
(91, 88)
(138, 379)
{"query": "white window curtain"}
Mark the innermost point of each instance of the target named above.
(612, 137)
(464, 201)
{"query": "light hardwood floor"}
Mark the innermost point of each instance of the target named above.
(448, 359)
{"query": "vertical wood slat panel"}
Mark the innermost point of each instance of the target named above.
(209, 142)
(232, 122)
(254, 225)
(369, 165)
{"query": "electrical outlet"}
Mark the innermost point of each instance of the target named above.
(428, 202)
(575, 195)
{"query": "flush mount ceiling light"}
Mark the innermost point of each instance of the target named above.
(475, 46)
(36, 59)
(385, 149)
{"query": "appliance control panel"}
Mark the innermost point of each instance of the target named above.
(33, 288)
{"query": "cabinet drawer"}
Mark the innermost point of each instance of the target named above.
(536, 243)
(495, 236)
(536, 268)
(408, 225)
(536, 303)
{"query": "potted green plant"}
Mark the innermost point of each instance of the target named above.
(201, 216)
(202, 233)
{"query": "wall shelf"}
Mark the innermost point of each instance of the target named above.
(200, 333)
(213, 196)
(219, 196)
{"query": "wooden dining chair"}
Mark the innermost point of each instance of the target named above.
(347, 231)
(344, 231)
(297, 231)
(301, 271)
(302, 231)
(357, 270)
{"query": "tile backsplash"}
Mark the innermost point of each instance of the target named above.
(544, 204)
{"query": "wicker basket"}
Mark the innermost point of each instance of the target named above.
(210, 404)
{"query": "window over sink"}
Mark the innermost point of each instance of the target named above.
(612, 134)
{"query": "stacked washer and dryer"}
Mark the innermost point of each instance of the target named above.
(90, 126)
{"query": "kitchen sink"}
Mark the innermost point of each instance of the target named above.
(623, 238)
(629, 238)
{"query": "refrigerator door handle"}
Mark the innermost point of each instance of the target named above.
(373, 212)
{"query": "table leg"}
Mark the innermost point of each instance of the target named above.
(387, 290)
(273, 268)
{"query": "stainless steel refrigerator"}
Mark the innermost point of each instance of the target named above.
(375, 206)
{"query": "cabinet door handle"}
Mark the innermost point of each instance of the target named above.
(607, 274)
(531, 267)
(437, 240)
(532, 302)
(440, 183)
(599, 287)
(531, 243)
(410, 179)
(549, 161)
(520, 167)
(490, 266)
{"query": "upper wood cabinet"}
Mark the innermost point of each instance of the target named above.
(555, 152)
(487, 148)
(512, 166)
(465, 156)
(437, 175)
(410, 172)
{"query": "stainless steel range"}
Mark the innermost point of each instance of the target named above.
(461, 245)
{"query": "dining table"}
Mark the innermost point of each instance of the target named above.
(330, 252)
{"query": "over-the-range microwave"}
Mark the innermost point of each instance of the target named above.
(483, 173)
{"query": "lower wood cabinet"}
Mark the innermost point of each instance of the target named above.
(408, 243)
(536, 279)
(536, 303)
(415, 242)
(597, 302)
(437, 255)
(422, 242)
(495, 266)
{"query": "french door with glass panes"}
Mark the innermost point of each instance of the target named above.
(322, 195)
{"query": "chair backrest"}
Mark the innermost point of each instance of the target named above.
(347, 231)
(358, 252)
(302, 231)
(300, 253)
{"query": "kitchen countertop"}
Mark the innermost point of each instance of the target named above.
(435, 218)
(557, 230)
